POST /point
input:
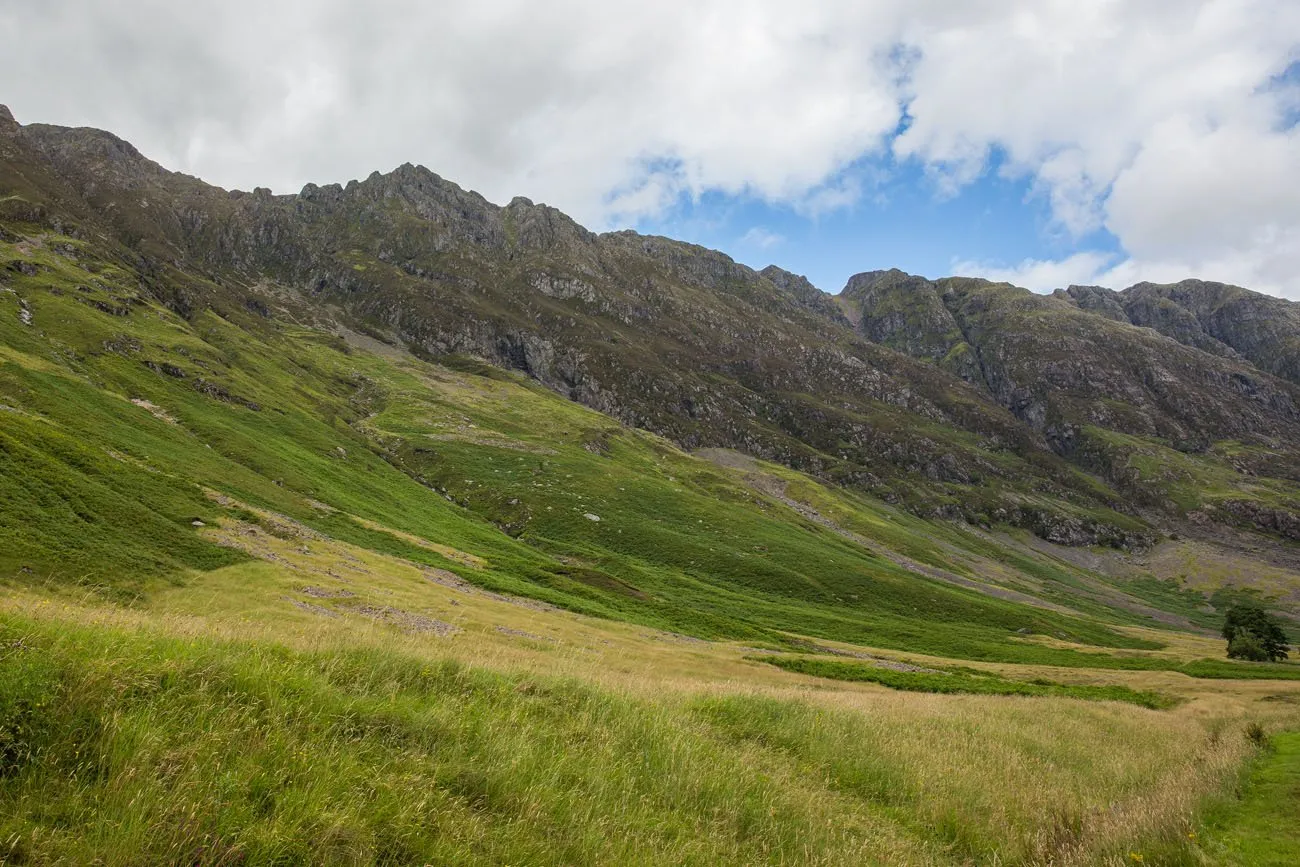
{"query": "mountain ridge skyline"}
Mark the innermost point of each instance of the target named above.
(315, 187)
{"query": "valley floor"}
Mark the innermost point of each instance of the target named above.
(268, 713)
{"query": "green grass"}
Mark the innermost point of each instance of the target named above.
(127, 744)
(197, 751)
(954, 682)
(119, 418)
(1260, 828)
(1063, 657)
(98, 492)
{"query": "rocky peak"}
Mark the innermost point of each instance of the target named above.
(86, 143)
(539, 226)
(689, 263)
(898, 308)
(1222, 319)
(324, 194)
(804, 292)
(862, 285)
(1152, 306)
(910, 314)
(426, 192)
(1196, 295)
(1095, 299)
(8, 126)
(795, 284)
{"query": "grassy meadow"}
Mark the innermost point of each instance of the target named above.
(251, 732)
(273, 591)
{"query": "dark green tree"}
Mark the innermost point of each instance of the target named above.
(1252, 633)
(1246, 645)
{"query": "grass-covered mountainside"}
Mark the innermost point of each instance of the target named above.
(379, 524)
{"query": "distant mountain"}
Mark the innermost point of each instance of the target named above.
(1220, 319)
(956, 398)
(1060, 363)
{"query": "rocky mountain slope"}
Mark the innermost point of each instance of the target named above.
(956, 398)
(1180, 429)
(1220, 319)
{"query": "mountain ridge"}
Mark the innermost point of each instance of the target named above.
(954, 398)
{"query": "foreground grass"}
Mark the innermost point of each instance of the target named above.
(131, 746)
(953, 682)
(1260, 829)
(148, 750)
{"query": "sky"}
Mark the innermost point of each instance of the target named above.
(1043, 142)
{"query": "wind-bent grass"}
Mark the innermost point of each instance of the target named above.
(953, 682)
(154, 750)
(129, 745)
(968, 773)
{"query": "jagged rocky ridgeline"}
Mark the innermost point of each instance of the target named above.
(1086, 416)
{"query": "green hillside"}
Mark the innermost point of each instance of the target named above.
(368, 446)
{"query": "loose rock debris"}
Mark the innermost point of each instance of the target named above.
(519, 633)
(406, 621)
(313, 608)
(455, 582)
(323, 593)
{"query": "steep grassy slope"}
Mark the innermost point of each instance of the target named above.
(119, 420)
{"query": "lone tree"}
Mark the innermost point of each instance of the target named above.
(1254, 634)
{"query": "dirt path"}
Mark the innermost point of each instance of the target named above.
(1261, 829)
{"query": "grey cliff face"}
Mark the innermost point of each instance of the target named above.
(1095, 299)
(1074, 359)
(1226, 320)
(910, 314)
(805, 293)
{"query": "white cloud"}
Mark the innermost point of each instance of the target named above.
(761, 238)
(1042, 275)
(608, 110)
(1155, 119)
(1218, 202)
